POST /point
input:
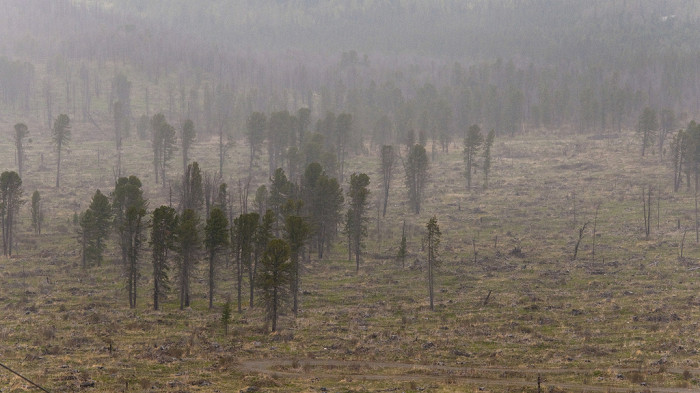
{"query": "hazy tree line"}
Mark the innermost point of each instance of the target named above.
(16, 79)
(565, 83)
(388, 108)
(439, 26)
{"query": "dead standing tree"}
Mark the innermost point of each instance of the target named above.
(581, 232)
(432, 240)
(646, 204)
(595, 227)
(387, 167)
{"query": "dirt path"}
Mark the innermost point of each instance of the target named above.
(335, 369)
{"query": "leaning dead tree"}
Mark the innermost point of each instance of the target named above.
(581, 232)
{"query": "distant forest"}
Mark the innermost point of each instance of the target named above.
(400, 67)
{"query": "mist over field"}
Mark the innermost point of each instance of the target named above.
(349, 196)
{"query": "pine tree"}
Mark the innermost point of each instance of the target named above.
(322, 200)
(432, 241)
(226, 316)
(164, 225)
(222, 198)
(356, 222)
(260, 202)
(297, 232)
(387, 169)
(216, 237)
(473, 139)
(134, 228)
(261, 237)
(101, 213)
(274, 278)
(156, 123)
(21, 132)
(281, 190)
(679, 147)
(87, 240)
(403, 248)
(10, 201)
(487, 156)
(343, 129)
(37, 213)
(188, 249)
(187, 138)
(61, 137)
(647, 125)
(192, 188)
(127, 194)
(242, 235)
(255, 133)
(164, 140)
(416, 168)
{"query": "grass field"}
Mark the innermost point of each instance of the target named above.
(624, 321)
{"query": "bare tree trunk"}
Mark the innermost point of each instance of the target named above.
(4, 235)
(697, 235)
(658, 210)
(251, 282)
(10, 227)
(221, 151)
(646, 204)
(386, 200)
(581, 231)
(648, 230)
(84, 244)
(134, 287)
(595, 225)
(295, 284)
(187, 281)
(156, 287)
(239, 277)
(274, 309)
(58, 167)
(574, 201)
(357, 253)
(211, 279)
(119, 162)
(162, 168)
(182, 291)
(250, 165)
(430, 275)
(156, 160)
(685, 231)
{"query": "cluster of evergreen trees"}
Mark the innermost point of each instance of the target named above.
(11, 192)
(685, 157)
(474, 142)
(10, 202)
(304, 211)
(269, 248)
(268, 244)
